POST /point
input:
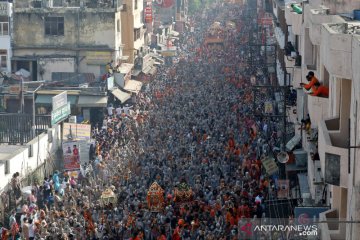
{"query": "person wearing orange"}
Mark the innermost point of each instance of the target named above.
(321, 91)
(313, 82)
(177, 232)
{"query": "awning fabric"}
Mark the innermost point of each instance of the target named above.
(136, 72)
(92, 101)
(122, 96)
(147, 70)
(133, 86)
(153, 70)
(174, 33)
(47, 99)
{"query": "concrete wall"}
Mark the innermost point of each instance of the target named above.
(336, 48)
(353, 212)
(50, 65)
(341, 6)
(81, 28)
(21, 162)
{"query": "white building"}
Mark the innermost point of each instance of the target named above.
(327, 36)
(5, 36)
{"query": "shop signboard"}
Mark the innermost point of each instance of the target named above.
(59, 100)
(148, 14)
(98, 57)
(76, 131)
(60, 114)
(4, 9)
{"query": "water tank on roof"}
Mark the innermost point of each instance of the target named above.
(357, 14)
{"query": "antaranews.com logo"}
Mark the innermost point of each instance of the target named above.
(258, 227)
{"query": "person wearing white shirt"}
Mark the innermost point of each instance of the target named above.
(31, 230)
(118, 111)
(110, 109)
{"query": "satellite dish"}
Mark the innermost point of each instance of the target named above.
(283, 157)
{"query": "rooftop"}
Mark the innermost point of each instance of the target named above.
(352, 27)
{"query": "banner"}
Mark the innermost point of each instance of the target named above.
(71, 151)
(74, 131)
(148, 14)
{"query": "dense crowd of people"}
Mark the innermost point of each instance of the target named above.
(190, 128)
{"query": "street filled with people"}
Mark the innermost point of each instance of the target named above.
(184, 162)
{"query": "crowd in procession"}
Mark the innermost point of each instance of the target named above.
(189, 128)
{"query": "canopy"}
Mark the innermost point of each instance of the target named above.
(47, 99)
(122, 96)
(153, 70)
(92, 101)
(133, 86)
(174, 33)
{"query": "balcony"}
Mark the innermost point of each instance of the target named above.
(294, 19)
(330, 227)
(336, 44)
(315, 18)
(333, 152)
(318, 109)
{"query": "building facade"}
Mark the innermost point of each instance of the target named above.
(133, 28)
(66, 37)
(5, 36)
(326, 35)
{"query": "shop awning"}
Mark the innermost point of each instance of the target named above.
(92, 101)
(147, 70)
(158, 60)
(133, 86)
(153, 70)
(47, 99)
(136, 72)
(174, 33)
(122, 96)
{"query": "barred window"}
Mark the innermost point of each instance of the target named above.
(54, 26)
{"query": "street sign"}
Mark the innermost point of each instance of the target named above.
(60, 114)
(269, 165)
(59, 101)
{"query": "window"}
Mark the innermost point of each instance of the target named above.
(136, 4)
(4, 28)
(136, 34)
(118, 26)
(3, 59)
(54, 26)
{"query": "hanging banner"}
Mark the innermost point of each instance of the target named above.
(148, 14)
(71, 155)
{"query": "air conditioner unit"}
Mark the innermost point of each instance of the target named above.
(301, 157)
(72, 119)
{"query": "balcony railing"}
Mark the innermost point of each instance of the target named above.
(318, 109)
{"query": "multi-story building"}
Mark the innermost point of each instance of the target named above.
(133, 28)
(327, 36)
(5, 36)
(79, 36)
